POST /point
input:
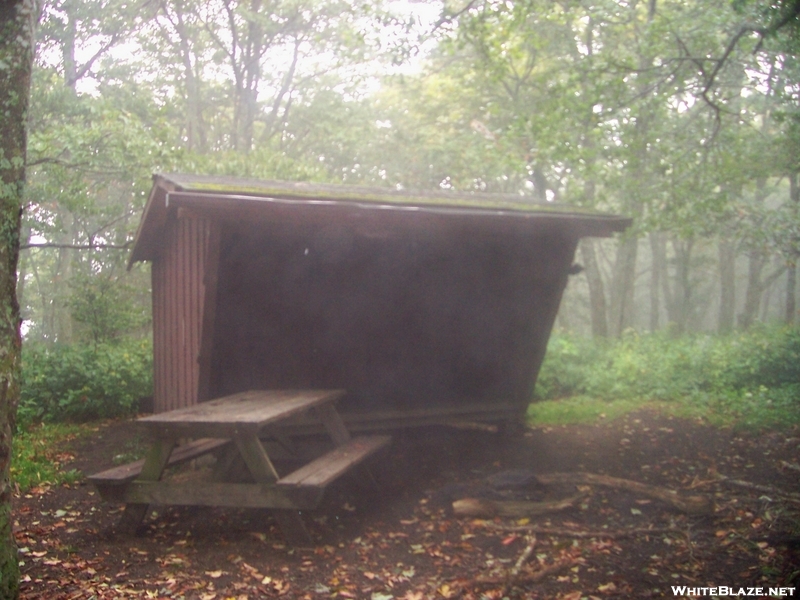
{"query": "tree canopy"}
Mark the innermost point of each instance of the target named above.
(681, 114)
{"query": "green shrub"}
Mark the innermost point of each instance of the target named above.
(659, 367)
(78, 383)
(566, 366)
(746, 378)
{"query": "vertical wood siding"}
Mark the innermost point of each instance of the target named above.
(178, 278)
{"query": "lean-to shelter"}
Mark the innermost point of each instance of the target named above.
(424, 307)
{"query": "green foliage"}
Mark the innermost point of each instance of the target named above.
(37, 460)
(749, 378)
(79, 383)
(105, 307)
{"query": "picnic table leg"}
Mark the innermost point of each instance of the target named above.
(333, 423)
(154, 464)
(289, 521)
(336, 428)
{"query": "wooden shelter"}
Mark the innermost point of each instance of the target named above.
(425, 308)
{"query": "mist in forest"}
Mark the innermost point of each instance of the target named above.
(661, 111)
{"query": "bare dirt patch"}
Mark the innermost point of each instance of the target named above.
(404, 541)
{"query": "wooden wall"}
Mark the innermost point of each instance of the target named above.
(179, 278)
(408, 314)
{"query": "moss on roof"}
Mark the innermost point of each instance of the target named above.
(347, 193)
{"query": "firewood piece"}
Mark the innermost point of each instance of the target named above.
(766, 489)
(693, 505)
(582, 533)
(482, 508)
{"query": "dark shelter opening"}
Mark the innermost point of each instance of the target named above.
(422, 307)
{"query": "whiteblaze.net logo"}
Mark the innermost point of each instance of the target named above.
(723, 590)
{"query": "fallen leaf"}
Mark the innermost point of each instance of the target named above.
(606, 587)
(510, 540)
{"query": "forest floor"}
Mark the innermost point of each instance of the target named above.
(405, 542)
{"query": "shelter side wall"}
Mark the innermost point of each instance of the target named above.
(178, 278)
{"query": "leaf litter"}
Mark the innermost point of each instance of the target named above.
(404, 542)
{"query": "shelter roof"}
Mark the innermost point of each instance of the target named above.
(227, 197)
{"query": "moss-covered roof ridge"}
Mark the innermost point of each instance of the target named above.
(301, 190)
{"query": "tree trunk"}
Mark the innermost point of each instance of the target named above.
(727, 285)
(250, 77)
(791, 286)
(791, 275)
(658, 271)
(68, 49)
(597, 293)
(17, 18)
(756, 263)
(752, 299)
(195, 128)
(622, 286)
(683, 284)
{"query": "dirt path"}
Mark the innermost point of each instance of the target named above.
(405, 542)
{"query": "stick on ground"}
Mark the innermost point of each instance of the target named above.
(693, 505)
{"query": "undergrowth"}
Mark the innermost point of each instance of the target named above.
(38, 458)
(747, 379)
(81, 382)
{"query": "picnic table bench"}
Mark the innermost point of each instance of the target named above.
(235, 424)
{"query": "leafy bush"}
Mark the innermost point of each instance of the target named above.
(747, 378)
(79, 383)
(659, 367)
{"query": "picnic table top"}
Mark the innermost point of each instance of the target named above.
(245, 411)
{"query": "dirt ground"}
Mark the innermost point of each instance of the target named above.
(403, 540)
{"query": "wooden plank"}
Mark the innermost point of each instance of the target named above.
(157, 302)
(374, 420)
(333, 423)
(256, 459)
(180, 454)
(246, 412)
(170, 366)
(335, 463)
(154, 464)
(207, 493)
(209, 310)
(260, 467)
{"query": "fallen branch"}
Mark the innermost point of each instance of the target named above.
(530, 577)
(475, 507)
(582, 534)
(693, 505)
(767, 489)
(523, 558)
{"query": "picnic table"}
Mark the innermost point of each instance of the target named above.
(233, 427)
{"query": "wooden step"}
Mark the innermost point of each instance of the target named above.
(125, 473)
(328, 467)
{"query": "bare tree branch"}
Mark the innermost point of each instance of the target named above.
(446, 19)
(92, 246)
